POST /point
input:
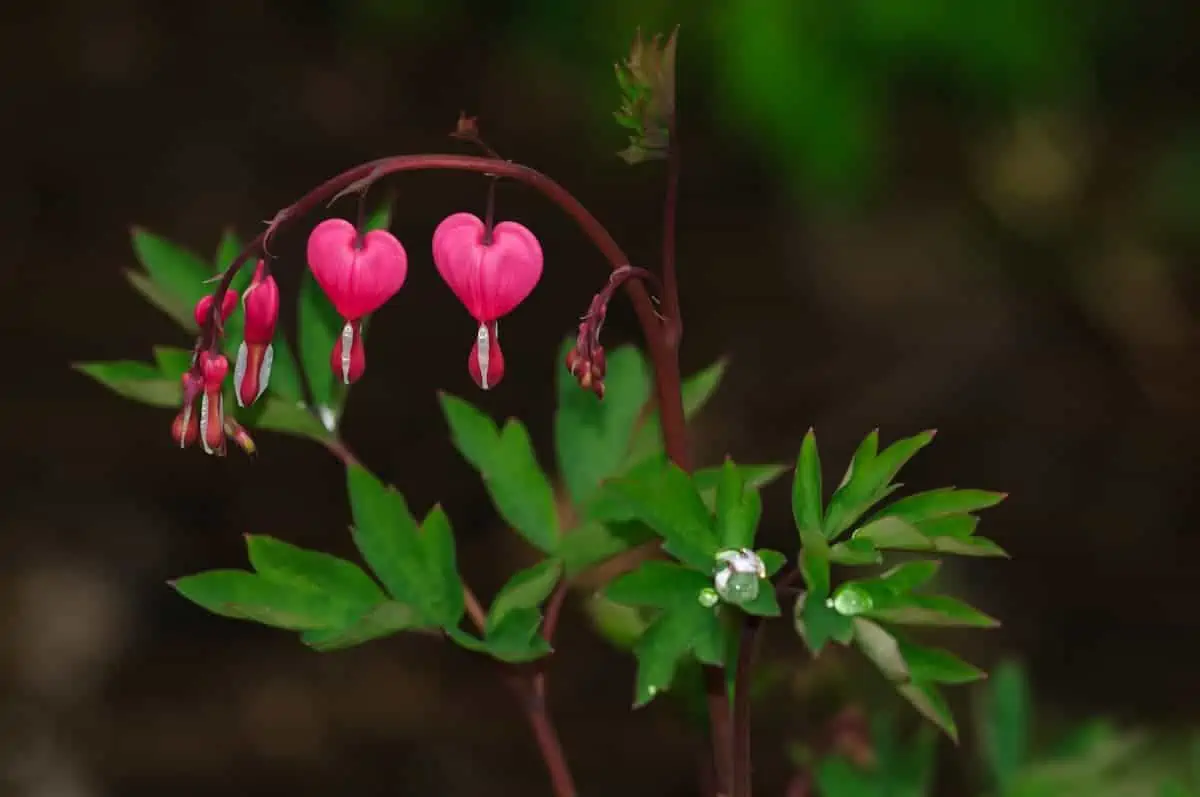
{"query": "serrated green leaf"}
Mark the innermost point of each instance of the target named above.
(928, 700)
(445, 602)
(287, 564)
(134, 380)
(933, 665)
(247, 596)
(171, 361)
(869, 479)
(806, 489)
(939, 610)
(855, 552)
(380, 218)
(695, 392)
(948, 526)
(773, 561)
(515, 637)
(389, 540)
(657, 584)
(764, 604)
(516, 483)
(472, 431)
(968, 546)
(1005, 725)
(814, 565)
(177, 272)
(279, 415)
(939, 503)
(738, 509)
(818, 623)
(178, 310)
(667, 501)
(592, 436)
(910, 575)
(882, 649)
(594, 542)
(383, 619)
(659, 650)
(526, 589)
(619, 624)
(318, 329)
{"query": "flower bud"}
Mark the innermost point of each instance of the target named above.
(252, 370)
(204, 307)
(214, 368)
(738, 576)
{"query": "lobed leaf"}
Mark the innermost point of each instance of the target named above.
(658, 584)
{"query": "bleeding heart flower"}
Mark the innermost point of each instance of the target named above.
(255, 355)
(186, 426)
(214, 368)
(358, 274)
(490, 273)
(204, 306)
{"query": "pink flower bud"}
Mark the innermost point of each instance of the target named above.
(214, 368)
(486, 363)
(490, 274)
(252, 370)
(349, 356)
(186, 426)
(204, 307)
(238, 434)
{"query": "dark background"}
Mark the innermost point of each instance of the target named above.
(894, 213)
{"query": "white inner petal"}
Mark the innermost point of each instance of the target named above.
(347, 345)
(239, 372)
(264, 370)
(483, 354)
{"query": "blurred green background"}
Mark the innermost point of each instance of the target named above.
(975, 215)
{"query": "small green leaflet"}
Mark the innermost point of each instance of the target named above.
(135, 380)
(696, 391)
(869, 479)
(174, 278)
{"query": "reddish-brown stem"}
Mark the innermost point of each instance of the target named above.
(747, 647)
(669, 277)
(661, 341)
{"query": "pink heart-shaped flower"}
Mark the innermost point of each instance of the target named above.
(357, 279)
(489, 279)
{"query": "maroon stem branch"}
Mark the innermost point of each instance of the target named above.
(748, 647)
(661, 340)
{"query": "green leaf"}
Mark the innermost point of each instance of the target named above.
(939, 610)
(738, 509)
(665, 642)
(659, 585)
(619, 624)
(380, 218)
(928, 700)
(286, 564)
(383, 619)
(839, 777)
(134, 380)
(910, 575)
(818, 623)
(814, 566)
(178, 273)
(473, 433)
(172, 362)
(248, 596)
(695, 392)
(388, 538)
(948, 526)
(527, 589)
(1005, 723)
(933, 665)
(939, 503)
(772, 560)
(667, 501)
(855, 552)
(806, 489)
(279, 415)
(592, 436)
(882, 649)
(445, 602)
(318, 329)
(594, 542)
(868, 479)
(893, 533)
(764, 604)
(708, 479)
(515, 637)
(521, 491)
(179, 310)
(516, 483)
